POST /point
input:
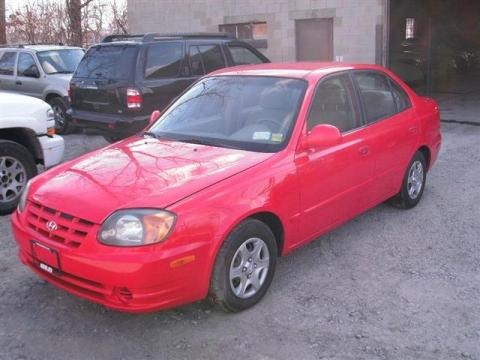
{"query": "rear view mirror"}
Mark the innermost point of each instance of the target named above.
(322, 136)
(155, 116)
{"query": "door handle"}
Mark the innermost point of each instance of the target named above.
(18, 82)
(364, 151)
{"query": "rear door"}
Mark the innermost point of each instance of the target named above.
(165, 73)
(205, 57)
(8, 61)
(392, 124)
(102, 77)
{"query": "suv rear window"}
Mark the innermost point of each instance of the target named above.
(114, 62)
(164, 60)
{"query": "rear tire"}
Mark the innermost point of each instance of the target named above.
(244, 267)
(17, 166)
(413, 183)
(63, 124)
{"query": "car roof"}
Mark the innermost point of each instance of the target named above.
(299, 70)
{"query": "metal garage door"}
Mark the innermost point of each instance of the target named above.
(314, 39)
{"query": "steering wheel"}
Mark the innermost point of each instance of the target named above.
(266, 121)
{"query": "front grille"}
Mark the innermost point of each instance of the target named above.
(70, 230)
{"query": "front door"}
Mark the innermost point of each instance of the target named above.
(314, 39)
(334, 182)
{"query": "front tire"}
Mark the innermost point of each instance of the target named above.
(17, 166)
(63, 125)
(413, 183)
(244, 267)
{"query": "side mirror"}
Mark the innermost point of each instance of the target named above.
(154, 117)
(32, 72)
(322, 136)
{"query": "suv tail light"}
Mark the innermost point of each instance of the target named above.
(134, 99)
(70, 92)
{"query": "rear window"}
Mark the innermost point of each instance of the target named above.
(7, 63)
(115, 62)
(164, 60)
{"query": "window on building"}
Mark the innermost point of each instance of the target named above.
(410, 28)
(7, 63)
(252, 32)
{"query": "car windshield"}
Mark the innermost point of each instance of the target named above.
(63, 61)
(254, 113)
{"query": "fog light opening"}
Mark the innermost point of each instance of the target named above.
(123, 294)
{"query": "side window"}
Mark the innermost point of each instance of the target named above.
(196, 64)
(332, 104)
(7, 63)
(26, 65)
(376, 95)
(243, 56)
(401, 98)
(212, 57)
(164, 60)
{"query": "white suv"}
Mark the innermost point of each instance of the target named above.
(27, 139)
(42, 71)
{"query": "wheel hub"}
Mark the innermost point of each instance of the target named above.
(13, 178)
(249, 268)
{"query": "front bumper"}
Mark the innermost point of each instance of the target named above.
(133, 280)
(53, 148)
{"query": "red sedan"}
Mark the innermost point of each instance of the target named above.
(247, 165)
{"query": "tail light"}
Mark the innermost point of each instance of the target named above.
(70, 92)
(134, 99)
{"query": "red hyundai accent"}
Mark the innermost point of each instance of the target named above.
(247, 165)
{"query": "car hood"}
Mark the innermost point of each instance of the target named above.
(137, 173)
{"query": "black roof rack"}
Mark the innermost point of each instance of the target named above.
(149, 37)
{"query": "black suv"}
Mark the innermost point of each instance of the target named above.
(122, 80)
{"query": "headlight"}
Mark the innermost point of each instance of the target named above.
(23, 198)
(137, 227)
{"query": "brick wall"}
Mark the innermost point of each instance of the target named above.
(356, 22)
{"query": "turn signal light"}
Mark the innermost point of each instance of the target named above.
(51, 131)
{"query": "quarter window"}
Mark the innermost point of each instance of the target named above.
(243, 56)
(26, 64)
(376, 95)
(164, 60)
(332, 104)
(402, 101)
(7, 63)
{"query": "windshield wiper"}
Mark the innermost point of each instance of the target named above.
(207, 143)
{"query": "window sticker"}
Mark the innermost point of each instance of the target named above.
(261, 135)
(277, 137)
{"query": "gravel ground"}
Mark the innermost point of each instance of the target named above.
(391, 284)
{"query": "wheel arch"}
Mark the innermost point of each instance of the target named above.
(425, 150)
(50, 95)
(25, 137)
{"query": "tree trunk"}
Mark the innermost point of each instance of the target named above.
(3, 32)
(74, 9)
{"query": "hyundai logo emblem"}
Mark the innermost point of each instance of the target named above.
(51, 225)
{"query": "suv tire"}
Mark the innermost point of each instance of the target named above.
(17, 166)
(63, 125)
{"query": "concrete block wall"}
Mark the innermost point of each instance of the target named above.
(355, 21)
